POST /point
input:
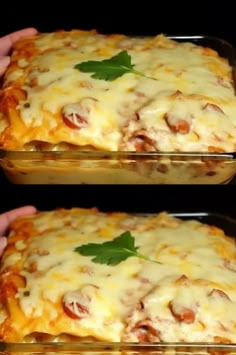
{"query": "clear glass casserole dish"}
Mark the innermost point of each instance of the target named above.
(124, 167)
(117, 349)
(117, 168)
(226, 223)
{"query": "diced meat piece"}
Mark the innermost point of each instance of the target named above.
(145, 331)
(221, 340)
(183, 280)
(141, 141)
(215, 149)
(34, 82)
(76, 115)
(209, 107)
(182, 313)
(32, 267)
(219, 293)
(40, 252)
(228, 266)
(223, 82)
(178, 124)
(177, 95)
(76, 303)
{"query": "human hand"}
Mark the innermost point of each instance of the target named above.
(8, 217)
(6, 43)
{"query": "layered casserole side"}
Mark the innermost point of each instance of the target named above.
(184, 290)
(183, 101)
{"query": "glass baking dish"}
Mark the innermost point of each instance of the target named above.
(117, 168)
(105, 167)
(118, 349)
(228, 224)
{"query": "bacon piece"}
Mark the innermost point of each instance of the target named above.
(178, 124)
(223, 82)
(182, 313)
(228, 266)
(183, 280)
(75, 121)
(222, 326)
(75, 304)
(213, 107)
(40, 252)
(33, 82)
(76, 115)
(222, 340)
(33, 267)
(219, 293)
(177, 95)
(141, 141)
(215, 149)
(145, 331)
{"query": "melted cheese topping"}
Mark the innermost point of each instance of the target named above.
(48, 289)
(191, 106)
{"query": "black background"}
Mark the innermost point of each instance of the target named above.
(130, 198)
(148, 17)
(138, 17)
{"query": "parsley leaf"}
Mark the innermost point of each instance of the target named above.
(114, 251)
(110, 69)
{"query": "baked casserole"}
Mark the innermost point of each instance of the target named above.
(81, 275)
(84, 91)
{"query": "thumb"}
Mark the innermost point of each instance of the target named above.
(3, 243)
(4, 61)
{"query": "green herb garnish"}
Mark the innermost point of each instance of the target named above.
(110, 69)
(114, 251)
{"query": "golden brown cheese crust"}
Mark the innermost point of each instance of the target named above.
(46, 104)
(49, 292)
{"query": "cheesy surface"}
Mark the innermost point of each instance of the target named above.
(50, 292)
(47, 104)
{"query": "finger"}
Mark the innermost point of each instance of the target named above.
(6, 42)
(8, 217)
(4, 61)
(3, 243)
